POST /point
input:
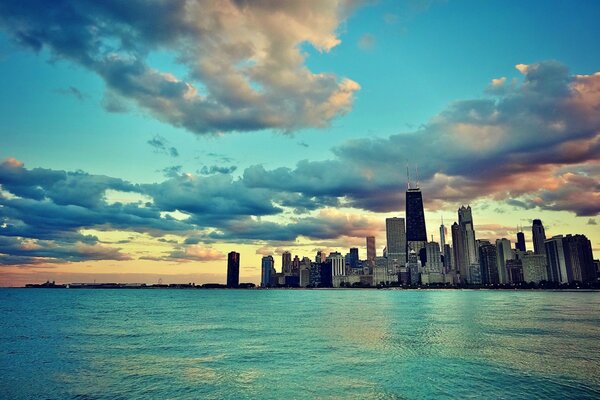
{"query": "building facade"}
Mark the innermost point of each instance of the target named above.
(233, 269)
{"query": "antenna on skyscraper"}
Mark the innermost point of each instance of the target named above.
(407, 177)
(417, 172)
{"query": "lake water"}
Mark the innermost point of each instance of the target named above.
(226, 344)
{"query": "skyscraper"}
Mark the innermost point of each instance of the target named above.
(267, 268)
(503, 254)
(488, 263)
(521, 241)
(443, 233)
(465, 220)
(233, 269)
(416, 232)
(539, 237)
(286, 262)
(534, 267)
(371, 250)
(555, 255)
(396, 242)
(570, 259)
(353, 257)
(434, 259)
(460, 257)
(580, 260)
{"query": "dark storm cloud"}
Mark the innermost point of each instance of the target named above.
(228, 48)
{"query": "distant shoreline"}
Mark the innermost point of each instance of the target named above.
(200, 287)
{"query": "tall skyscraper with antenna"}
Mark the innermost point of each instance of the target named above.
(416, 232)
(443, 232)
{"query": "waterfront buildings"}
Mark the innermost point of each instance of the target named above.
(268, 271)
(396, 242)
(570, 259)
(286, 262)
(539, 237)
(233, 269)
(520, 245)
(338, 264)
(488, 263)
(371, 250)
(465, 220)
(504, 252)
(534, 267)
(416, 232)
(443, 233)
(458, 245)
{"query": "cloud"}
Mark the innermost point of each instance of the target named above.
(188, 254)
(172, 171)
(245, 69)
(160, 145)
(535, 144)
(54, 205)
(216, 169)
(17, 251)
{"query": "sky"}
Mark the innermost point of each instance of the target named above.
(144, 140)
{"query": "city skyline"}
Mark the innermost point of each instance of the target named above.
(136, 154)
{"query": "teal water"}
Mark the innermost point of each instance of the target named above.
(224, 344)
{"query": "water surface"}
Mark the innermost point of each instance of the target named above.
(215, 344)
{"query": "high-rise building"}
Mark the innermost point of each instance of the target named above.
(396, 242)
(443, 233)
(570, 259)
(504, 252)
(233, 269)
(521, 241)
(555, 258)
(460, 257)
(416, 232)
(580, 259)
(534, 267)
(295, 265)
(268, 269)
(539, 237)
(448, 259)
(286, 262)
(338, 264)
(410, 274)
(434, 258)
(514, 271)
(353, 257)
(465, 220)
(488, 263)
(371, 250)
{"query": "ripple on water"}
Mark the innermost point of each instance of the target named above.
(221, 344)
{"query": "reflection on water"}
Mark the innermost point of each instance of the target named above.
(106, 344)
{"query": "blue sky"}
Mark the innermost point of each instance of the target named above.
(413, 61)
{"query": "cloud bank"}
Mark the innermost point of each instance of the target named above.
(244, 59)
(532, 143)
